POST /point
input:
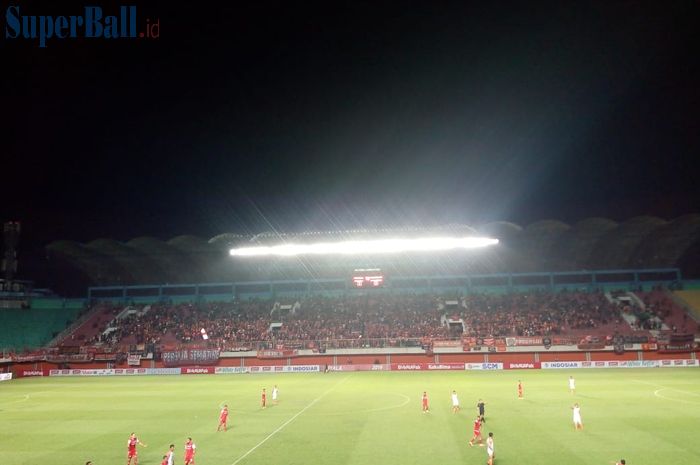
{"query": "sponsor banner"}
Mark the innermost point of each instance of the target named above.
(679, 363)
(285, 369)
(483, 366)
(27, 373)
(197, 370)
(360, 367)
(407, 366)
(72, 372)
(621, 364)
(190, 357)
(301, 369)
(439, 343)
(5, 376)
(230, 370)
(559, 365)
(130, 371)
(522, 366)
(279, 353)
(162, 371)
(133, 360)
(445, 366)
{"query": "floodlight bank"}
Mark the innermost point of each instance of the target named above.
(380, 246)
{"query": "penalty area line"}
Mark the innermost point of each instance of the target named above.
(281, 427)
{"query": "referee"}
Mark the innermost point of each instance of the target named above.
(480, 406)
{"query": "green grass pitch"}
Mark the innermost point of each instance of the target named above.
(647, 416)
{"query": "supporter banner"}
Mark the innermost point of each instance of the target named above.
(28, 358)
(522, 366)
(162, 371)
(68, 358)
(680, 347)
(591, 346)
(279, 353)
(190, 357)
(104, 357)
(483, 366)
(197, 370)
(230, 370)
(649, 347)
(447, 343)
(130, 371)
(133, 360)
(5, 376)
(524, 341)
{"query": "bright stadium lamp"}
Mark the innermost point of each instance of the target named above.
(369, 247)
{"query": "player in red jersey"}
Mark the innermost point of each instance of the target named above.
(263, 400)
(520, 389)
(165, 460)
(426, 409)
(190, 449)
(477, 432)
(131, 452)
(223, 417)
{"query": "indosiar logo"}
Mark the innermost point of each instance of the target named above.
(92, 24)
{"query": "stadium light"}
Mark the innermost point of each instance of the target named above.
(379, 246)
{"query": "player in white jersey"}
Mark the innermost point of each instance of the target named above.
(455, 402)
(275, 391)
(572, 385)
(578, 423)
(490, 449)
(171, 455)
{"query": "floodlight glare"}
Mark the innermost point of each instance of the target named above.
(379, 246)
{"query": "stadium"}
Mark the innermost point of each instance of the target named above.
(378, 328)
(350, 233)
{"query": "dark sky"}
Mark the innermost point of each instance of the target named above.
(291, 115)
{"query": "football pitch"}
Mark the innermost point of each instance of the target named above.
(647, 416)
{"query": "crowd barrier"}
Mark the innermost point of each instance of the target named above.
(484, 366)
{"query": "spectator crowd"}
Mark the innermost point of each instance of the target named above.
(363, 319)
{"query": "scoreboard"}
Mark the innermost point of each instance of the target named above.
(367, 278)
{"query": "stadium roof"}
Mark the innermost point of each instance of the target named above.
(549, 245)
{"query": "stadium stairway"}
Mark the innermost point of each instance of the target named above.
(92, 326)
(677, 315)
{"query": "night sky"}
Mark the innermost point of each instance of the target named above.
(289, 116)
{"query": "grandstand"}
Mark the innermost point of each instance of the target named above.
(29, 328)
(133, 307)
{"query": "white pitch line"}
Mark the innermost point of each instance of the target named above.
(666, 388)
(311, 404)
(658, 394)
(23, 399)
